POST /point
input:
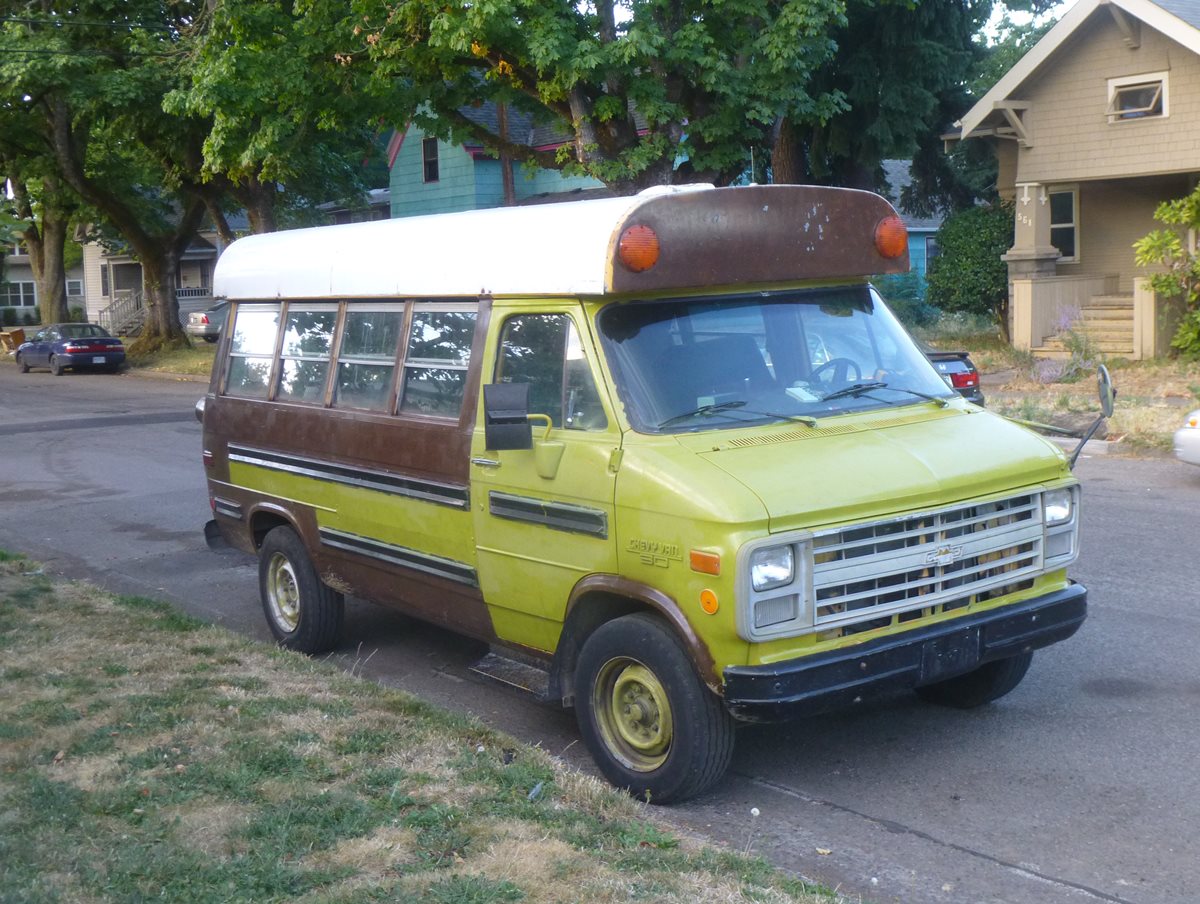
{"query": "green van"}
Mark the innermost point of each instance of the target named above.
(671, 450)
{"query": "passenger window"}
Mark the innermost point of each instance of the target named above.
(436, 362)
(252, 350)
(367, 358)
(544, 351)
(307, 344)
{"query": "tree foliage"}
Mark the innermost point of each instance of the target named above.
(1168, 249)
(649, 91)
(968, 274)
(290, 124)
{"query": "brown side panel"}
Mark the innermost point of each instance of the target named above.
(760, 235)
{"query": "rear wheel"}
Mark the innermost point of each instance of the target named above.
(22, 366)
(651, 725)
(987, 683)
(56, 366)
(303, 613)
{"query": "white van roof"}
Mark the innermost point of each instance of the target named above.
(567, 249)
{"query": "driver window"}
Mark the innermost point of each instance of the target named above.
(544, 351)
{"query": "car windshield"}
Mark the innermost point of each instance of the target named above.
(703, 364)
(82, 331)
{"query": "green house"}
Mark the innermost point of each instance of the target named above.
(432, 176)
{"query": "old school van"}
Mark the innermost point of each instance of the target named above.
(671, 448)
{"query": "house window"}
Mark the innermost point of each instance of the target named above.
(1064, 223)
(435, 364)
(104, 281)
(1137, 97)
(74, 288)
(429, 159)
(18, 295)
(931, 249)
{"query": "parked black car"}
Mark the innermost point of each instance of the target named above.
(958, 371)
(207, 325)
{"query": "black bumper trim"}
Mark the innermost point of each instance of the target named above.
(842, 677)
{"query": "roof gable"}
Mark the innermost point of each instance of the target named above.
(1179, 20)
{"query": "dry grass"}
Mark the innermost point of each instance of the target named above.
(146, 755)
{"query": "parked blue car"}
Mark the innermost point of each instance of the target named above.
(75, 345)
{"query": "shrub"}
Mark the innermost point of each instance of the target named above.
(968, 274)
(905, 295)
(9, 317)
(1166, 248)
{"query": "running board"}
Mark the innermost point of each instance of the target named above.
(516, 673)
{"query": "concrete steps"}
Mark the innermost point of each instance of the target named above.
(1107, 324)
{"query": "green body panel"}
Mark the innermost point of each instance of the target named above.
(412, 523)
(528, 570)
(881, 463)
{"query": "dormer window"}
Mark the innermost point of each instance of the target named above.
(1137, 97)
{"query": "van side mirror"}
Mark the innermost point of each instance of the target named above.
(1108, 394)
(506, 416)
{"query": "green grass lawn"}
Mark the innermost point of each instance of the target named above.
(146, 755)
(194, 361)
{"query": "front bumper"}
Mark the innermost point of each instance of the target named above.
(842, 677)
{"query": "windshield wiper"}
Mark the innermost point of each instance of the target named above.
(702, 410)
(859, 389)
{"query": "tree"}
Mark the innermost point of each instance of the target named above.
(900, 68)
(92, 80)
(1167, 248)
(285, 111)
(45, 208)
(670, 91)
(968, 274)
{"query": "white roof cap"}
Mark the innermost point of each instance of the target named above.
(545, 249)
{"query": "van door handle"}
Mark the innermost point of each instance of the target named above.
(485, 462)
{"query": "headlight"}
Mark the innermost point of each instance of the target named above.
(772, 567)
(1057, 506)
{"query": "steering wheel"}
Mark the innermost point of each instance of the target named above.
(839, 372)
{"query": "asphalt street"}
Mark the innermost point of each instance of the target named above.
(1080, 786)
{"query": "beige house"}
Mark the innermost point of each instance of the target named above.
(1096, 125)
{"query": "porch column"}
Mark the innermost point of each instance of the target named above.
(1031, 255)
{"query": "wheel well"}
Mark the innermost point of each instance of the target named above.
(262, 523)
(589, 612)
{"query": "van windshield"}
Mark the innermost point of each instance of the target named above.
(704, 364)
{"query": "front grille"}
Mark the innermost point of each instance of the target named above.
(869, 572)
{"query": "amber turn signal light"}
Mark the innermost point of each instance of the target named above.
(637, 248)
(891, 237)
(704, 562)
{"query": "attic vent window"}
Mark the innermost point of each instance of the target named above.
(429, 159)
(1137, 97)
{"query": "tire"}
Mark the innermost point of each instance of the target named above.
(21, 365)
(987, 683)
(650, 724)
(56, 367)
(210, 338)
(302, 612)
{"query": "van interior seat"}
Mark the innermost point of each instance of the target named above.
(726, 364)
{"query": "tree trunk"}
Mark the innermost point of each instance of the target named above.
(787, 165)
(45, 237)
(48, 269)
(162, 307)
(258, 198)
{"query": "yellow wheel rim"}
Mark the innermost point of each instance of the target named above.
(283, 593)
(633, 714)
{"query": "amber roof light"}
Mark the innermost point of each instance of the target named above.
(891, 237)
(637, 248)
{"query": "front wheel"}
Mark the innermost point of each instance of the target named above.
(983, 685)
(22, 365)
(650, 724)
(303, 613)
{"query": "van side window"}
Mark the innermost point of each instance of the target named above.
(367, 358)
(252, 351)
(544, 351)
(307, 343)
(436, 361)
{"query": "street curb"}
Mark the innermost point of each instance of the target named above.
(1091, 447)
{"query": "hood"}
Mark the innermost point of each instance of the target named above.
(878, 465)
